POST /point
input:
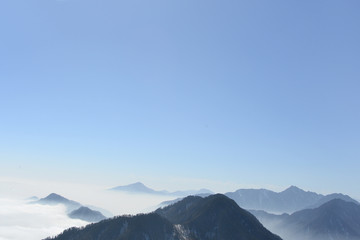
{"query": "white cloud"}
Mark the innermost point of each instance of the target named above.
(20, 220)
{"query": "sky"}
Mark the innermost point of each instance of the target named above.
(181, 94)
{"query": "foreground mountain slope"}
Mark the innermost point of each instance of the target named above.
(215, 217)
(139, 227)
(194, 218)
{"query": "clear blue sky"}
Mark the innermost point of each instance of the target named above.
(248, 92)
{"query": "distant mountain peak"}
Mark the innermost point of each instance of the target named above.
(293, 188)
(137, 184)
(137, 187)
(54, 196)
(87, 214)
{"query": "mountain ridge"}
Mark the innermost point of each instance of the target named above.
(336, 219)
(290, 200)
(140, 188)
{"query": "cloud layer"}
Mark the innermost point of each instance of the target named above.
(20, 220)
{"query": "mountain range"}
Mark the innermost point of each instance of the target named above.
(290, 200)
(140, 188)
(73, 208)
(334, 220)
(321, 217)
(193, 218)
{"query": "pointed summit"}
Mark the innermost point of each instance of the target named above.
(293, 188)
(137, 187)
(214, 217)
(55, 197)
(87, 214)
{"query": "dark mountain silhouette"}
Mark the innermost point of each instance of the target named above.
(140, 188)
(139, 227)
(73, 209)
(86, 214)
(290, 200)
(215, 217)
(335, 220)
(193, 218)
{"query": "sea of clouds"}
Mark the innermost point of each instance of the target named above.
(20, 220)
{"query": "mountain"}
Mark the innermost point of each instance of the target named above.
(334, 220)
(193, 218)
(54, 199)
(86, 214)
(74, 209)
(140, 188)
(215, 217)
(290, 200)
(330, 197)
(139, 227)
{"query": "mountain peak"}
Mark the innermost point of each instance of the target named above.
(55, 197)
(217, 216)
(293, 188)
(137, 184)
(137, 187)
(87, 214)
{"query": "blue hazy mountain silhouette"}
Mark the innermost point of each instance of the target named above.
(73, 208)
(290, 200)
(54, 199)
(140, 188)
(87, 214)
(334, 220)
